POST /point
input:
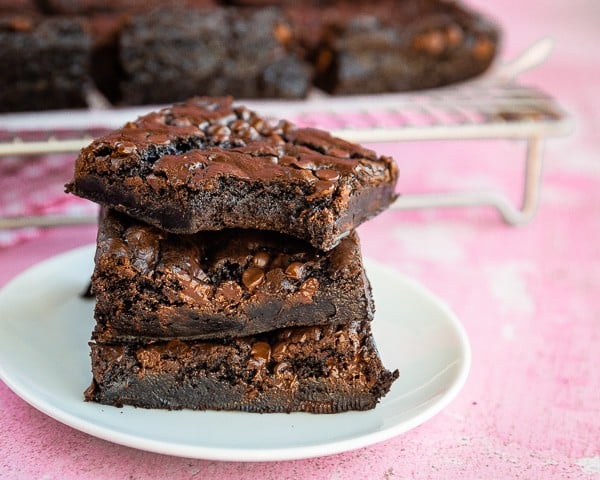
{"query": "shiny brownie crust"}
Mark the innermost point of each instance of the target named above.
(209, 165)
(327, 369)
(153, 285)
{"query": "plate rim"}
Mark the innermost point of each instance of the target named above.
(245, 454)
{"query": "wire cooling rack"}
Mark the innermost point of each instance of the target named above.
(494, 107)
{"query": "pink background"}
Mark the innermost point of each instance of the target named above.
(529, 298)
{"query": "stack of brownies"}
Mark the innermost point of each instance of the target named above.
(228, 273)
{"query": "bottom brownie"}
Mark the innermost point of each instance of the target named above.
(326, 369)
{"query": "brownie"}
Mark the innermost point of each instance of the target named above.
(327, 369)
(46, 63)
(209, 165)
(171, 54)
(150, 285)
(367, 47)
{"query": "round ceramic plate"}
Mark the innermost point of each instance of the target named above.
(45, 326)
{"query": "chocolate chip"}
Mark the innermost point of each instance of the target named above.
(20, 23)
(322, 189)
(305, 164)
(454, 35)
(261, 259)
(275, 139)
(218, 139)
(432, 42)
(243, 113)
(221, 130)
(258, 124)
(261, 350)
(253, 277)
(483, 49)
(238, 125)
(282, 33)
(324, 60)
(125, 148)
(328, 174)
(294, 270)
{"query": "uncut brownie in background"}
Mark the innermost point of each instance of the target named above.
(152, 285)
(388, 46)
(171, 54)
(318, 369)
(207, 164)
(45, 62)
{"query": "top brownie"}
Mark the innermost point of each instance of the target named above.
(208, 165)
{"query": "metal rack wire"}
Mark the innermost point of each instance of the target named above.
(496, 107)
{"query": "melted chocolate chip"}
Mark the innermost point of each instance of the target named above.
(328, 174)
(323, 188)
(261, 350)
(261, 259)
(295, 270)
(432, 42)
(253, 277)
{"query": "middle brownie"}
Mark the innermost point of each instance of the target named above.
(150, 284)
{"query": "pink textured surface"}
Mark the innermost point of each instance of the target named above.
(527, 296)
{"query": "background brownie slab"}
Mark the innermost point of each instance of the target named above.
(171, 54)
(206, 165)
(387, 46)
(149, 284)
(45, 63)
(312, 369)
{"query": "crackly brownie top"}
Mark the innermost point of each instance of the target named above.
(194, 144)
(221, 269)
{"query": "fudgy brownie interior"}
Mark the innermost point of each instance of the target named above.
(153, 285)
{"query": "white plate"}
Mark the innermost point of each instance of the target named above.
(44, 358)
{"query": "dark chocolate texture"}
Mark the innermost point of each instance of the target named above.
(45, 62)
(149, 284)
(208, 165)
(171, 54)
(310, 369)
